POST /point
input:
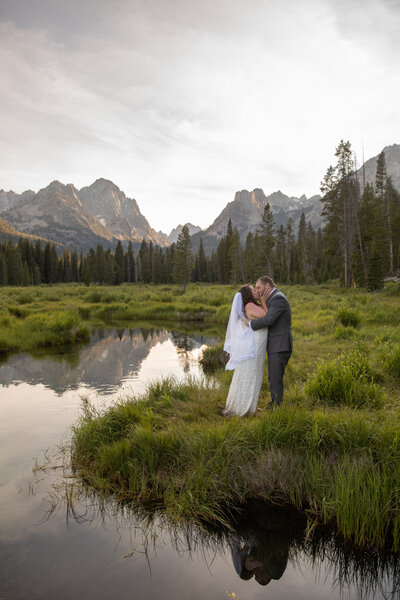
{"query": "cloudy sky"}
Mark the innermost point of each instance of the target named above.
(183, 102)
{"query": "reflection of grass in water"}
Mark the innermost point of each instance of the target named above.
(275, 536)
(173, 448)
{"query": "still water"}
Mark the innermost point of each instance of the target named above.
(56, 541)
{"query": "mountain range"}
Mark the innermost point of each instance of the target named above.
(102, 214)
(79, 219)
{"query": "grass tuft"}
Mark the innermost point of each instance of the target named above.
(346, 381)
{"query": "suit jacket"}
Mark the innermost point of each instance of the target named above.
(279, 321)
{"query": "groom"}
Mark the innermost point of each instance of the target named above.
(280, 344)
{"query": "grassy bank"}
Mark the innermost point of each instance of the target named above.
(42, 316)
(174, 449)
(332, 451)
(326, 316)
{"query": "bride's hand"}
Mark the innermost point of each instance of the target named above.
(263, 300)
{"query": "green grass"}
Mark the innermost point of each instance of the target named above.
(173, 449)
(204, 304)
(58, 328)
(332, 450)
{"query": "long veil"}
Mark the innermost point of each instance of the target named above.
(239, 339)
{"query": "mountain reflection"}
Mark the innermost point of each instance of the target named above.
(111, 357)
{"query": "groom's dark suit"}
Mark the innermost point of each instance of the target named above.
(280, 344)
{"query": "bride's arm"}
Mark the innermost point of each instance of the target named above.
(253, 311)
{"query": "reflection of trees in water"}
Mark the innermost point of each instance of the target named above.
(184, 345)
(182, 341)
(262, 541)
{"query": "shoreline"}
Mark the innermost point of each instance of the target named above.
(337, 466)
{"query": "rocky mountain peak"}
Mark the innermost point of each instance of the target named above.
(392, 159)
(58, 192)
(173, 236)
(121, 215)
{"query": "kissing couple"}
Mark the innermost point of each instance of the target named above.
(259, 322)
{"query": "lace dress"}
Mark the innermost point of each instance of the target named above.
(247, 379)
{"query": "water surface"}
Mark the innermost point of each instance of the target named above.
(58, 541)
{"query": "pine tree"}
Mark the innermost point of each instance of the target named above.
(110, 267)
(280, 255)
(340, 211)
(67, 275)
(75, 266)
(266, 241)
(250, 258)
(201, 263)
(3, 269)
(144, 258)
(290, 251)
(302, 253)
(100, 265)
(183, 259)
(383, 194)
(374, 274)
(130, 264)
(119, 261)
(236, 273)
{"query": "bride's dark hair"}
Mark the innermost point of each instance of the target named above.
(247, 294)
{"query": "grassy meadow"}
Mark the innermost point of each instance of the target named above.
(332, 450)
(58, 315)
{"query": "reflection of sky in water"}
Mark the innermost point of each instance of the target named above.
(41, 398)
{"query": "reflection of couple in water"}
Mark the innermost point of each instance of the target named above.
(261, 543)
(250, 560)
(247, 564)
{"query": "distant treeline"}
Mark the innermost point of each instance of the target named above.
(296, 259)
(359, 245)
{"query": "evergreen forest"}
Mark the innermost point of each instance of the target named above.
(359, 245)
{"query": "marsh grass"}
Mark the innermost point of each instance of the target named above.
(348, 380)
(214, 358)
(42, 307)
(392, 361)
(172, 449)
(348, 317)
(331, 451)
(42, 330)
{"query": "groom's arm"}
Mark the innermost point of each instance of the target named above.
(277, 306)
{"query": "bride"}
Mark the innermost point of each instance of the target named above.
(246, 349)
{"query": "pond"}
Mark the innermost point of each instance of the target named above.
(58, 541)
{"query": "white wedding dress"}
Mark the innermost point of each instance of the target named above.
(247, 379)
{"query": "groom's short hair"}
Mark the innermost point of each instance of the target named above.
(265, 279)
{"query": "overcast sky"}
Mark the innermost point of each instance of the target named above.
(183, 102)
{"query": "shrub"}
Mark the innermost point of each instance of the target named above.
(214, 358)
(95, 296)
(344, 333)
(348, 317)
(222, 314)
(392, 363)
(55, 329)
(25, 298)
(84, 312)
(348, 380)
(17, 311)
(393, 290)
